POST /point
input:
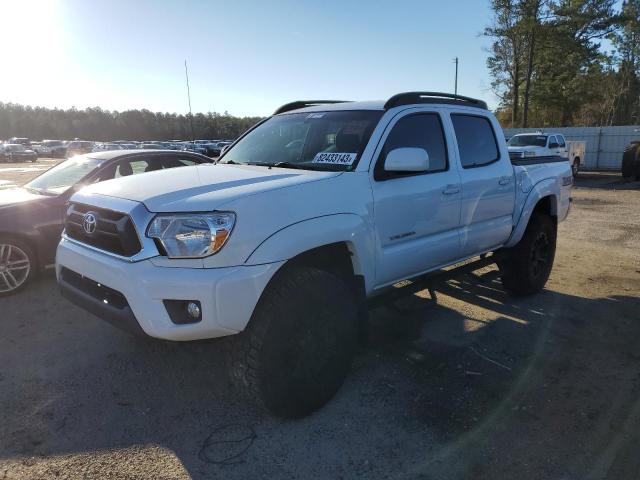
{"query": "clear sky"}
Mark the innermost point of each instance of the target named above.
(245, 56)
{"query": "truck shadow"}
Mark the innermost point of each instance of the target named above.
(606, 181)
(430, 377)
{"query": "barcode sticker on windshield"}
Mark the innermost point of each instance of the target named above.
(335, 158)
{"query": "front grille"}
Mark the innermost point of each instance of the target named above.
(114, 231)
(516, 155)
(96, 290)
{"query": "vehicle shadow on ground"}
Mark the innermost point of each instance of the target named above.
(606, 181)
(431, 377)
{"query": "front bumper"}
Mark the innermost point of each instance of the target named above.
(228, 295)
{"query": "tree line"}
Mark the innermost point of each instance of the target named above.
(102, 125)
(565, 62)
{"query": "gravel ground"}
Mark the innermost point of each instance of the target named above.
(479, 385)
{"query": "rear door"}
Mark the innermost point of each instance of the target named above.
(488, 183)
(416, 214)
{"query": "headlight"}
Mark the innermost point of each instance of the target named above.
(192, 235)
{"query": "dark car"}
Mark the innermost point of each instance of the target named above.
(16, 152)
(31, 216)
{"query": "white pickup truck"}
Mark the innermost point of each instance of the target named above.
(530, 145)
(310, 213)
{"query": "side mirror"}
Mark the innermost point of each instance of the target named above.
(554, 145)
(407, 159)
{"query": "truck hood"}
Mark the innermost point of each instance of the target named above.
(199, 188)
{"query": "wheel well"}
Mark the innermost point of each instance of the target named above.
(334, 258)
(25, 239)
(546, 206)
(576, 159)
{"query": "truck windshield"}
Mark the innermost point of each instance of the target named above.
(314, 141)
(528, 141)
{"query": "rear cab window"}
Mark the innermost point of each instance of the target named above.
(476, 140)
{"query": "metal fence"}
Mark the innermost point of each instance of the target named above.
(605, 145)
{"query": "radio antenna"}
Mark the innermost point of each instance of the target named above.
(186, 74)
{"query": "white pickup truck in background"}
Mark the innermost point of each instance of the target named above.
(308, 215)
(530, 145)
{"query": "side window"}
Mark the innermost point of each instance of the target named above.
(476, 140)
(131, 167)
(421, 130)
(561, 142)
(553, 141)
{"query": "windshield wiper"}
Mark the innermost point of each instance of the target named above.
(303, 166)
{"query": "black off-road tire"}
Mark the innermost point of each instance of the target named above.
(525, 268)
(298, 347)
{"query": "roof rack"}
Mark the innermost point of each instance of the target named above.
(409, 98)
(304, 103)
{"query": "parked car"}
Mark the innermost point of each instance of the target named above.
(31, 216)
(308, 214)
(106, 147)
(79, 147)
(531, 145)
(40, 149)
(57, 148)
(151, 146)
(631, 161)
(16, 152)
(21, 140)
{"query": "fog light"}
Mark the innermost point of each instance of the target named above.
(184, 311)
(193, 309)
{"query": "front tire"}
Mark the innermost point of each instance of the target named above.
(18, 265)
(526, 267)
(298, 347)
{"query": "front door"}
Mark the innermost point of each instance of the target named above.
(416, 214)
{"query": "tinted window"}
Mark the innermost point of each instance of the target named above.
(476, 140)
(561, 141)
(422, 130)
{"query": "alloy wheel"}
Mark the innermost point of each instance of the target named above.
(15, 267)
(540, 253)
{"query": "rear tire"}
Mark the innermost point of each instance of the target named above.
(575, 167)
(526, 267)
(298, 347)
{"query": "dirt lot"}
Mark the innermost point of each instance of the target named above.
(479, 385)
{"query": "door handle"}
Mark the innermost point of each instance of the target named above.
(504, 181)
(451, 189)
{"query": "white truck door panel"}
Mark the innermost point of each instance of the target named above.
(488, 184)
(417, 214)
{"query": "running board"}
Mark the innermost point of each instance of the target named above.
(428, 281)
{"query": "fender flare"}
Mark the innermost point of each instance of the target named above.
(542, 189)
(306, 235)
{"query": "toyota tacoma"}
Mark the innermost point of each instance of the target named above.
(311, 212)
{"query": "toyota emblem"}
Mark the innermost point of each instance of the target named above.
(89, 222)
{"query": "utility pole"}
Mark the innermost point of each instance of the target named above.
(455, 60)
(186, 74)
